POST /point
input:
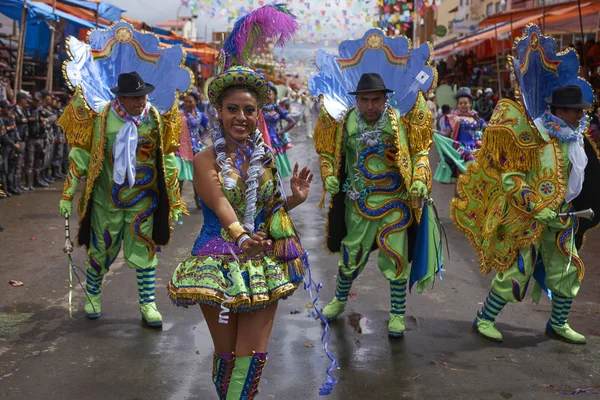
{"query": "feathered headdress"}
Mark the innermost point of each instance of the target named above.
(250, 33)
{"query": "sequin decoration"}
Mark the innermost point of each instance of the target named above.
(144, 189)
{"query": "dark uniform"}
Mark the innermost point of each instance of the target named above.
(36, 146)
(49, 116)
(8, 119)
(22, 120)
(5, 149)
(60, 144)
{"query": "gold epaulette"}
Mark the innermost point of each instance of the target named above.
(171, 121)
(77, 121)
(510, 140)
(420, 126)
(325, 133)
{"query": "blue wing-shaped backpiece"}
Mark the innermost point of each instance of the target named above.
(403, 70)
(97, 65)
(539, 70)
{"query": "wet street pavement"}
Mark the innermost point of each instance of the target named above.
(46, 355)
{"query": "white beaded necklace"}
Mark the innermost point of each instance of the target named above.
(253, 173)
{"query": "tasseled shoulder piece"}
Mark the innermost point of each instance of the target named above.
(420, 126)
(510, 140)
(325, 133)
(77, 121)
(171, 130)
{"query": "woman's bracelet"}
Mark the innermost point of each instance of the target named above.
(235, 230)
(242, 239)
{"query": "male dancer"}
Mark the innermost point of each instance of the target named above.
(131, 186)
(385, 162)
(515, 201)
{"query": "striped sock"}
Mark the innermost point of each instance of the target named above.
(342, 288)
(561, 306)
(93, 282)
(145, 282)
(491, 307)
(398, 296)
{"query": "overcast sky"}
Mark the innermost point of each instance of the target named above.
(153, 11)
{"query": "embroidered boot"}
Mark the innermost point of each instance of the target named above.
(338, 304)
(222, 369)
(557, 327)
(484, 323)
(94, 290)
(145, 283)
(245, 377)
(398, 299)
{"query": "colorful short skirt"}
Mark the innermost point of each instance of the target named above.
(212, 275)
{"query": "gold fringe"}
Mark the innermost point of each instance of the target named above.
(322, 202)
(239, 301)
(171, 128)
(298, 266)
(420, 126)
(500, 144)
(78, 122)
(325, 133)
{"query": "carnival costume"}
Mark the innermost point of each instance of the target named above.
(531, 165)
(191, 144)
(131, 190)
(217, 272)
(464, 130)
(377, 167)
(278, 142)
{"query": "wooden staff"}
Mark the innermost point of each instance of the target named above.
(50, 71)
(21, 50)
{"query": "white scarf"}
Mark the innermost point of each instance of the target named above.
(576, 155)
(125, 148)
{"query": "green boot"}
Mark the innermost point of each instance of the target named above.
(333, 309)
(94, 291)
(484, 324)
(398, 299)
(145, 282)
(338, 304)
(396, 326)
(557, 327)
(92, 306)
(246, 376)
(487, 329)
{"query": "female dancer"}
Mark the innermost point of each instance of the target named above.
(280, 141)
(248, 255)
(194, 123)
(463, 130)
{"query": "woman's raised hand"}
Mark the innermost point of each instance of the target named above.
(300, 183)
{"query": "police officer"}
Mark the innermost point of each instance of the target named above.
(49, 115)
(59, 142)
(21, 112)
(6, 147)
(35, 144)
(12, 134)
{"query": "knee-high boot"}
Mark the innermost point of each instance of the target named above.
(338, 304)
(94, 291)
(557, 327)
(398, 309)
(222, 369)
(145, 283)
(484, 323)
(246, 376)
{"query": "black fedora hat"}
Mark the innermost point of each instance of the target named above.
(568, 97)
(370, 82)
(131, 84)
